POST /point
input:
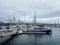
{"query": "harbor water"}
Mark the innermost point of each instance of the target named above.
(33, 39)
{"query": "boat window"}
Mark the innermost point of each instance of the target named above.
(0, 28)
(7, 27)
(14, 27)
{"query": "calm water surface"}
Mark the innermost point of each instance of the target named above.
(33, 39)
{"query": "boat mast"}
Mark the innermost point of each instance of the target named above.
(24, 19)
(14, 21)
(9, 21)
(34, 19)
(58, 23)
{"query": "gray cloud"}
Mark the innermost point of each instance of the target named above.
(19, 8)
(50, 15)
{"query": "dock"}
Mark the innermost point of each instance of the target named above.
(5, 33)
(33, 33)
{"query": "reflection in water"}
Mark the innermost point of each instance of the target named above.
(6, 42)
(39, 37)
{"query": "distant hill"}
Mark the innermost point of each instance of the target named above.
(39, 24)
(3, 24)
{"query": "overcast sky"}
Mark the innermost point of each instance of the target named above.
(46, 10)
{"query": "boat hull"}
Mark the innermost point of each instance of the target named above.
(38, 31)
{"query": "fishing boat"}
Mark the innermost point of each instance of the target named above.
(36, 29)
